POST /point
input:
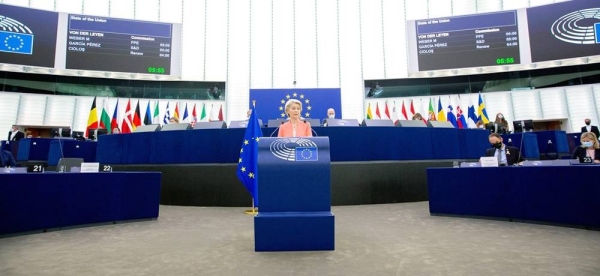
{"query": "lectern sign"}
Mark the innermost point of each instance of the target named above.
(295, 149)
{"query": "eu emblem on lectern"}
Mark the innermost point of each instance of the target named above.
(295, 149)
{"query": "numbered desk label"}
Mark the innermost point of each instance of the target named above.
(36, 168)
(106, 168)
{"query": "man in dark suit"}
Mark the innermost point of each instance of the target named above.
(507, 155)
(15, 135)
(590, 128)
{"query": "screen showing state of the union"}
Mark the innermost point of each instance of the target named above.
(467, 41)
(118, 45)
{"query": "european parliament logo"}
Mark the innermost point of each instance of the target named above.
(575, 27)
(15, 37)
(295, 149)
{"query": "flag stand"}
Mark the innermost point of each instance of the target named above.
(253, 211)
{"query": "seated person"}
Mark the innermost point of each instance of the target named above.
(589, 149)
(417, 116)
(294, 127)
(7, 159)
(480, 124)
(501, 124)
(116, 130)
(330, 115)
(173, 120)
(507, 155)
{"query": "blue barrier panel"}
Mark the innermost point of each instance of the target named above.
(33, 149)
(527, 142)
(558, 138)
(71, 149)
(347, 144)
(473, 143)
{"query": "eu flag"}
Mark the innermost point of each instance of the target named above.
(247, 169)
(315, 102)
(307, 154)
(19, 43)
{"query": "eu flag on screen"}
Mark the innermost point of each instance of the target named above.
(18, 43)
(247, 169)
(307, 154)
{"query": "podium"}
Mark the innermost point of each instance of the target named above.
(294, 195)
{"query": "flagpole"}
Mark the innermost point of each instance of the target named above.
(254, 210)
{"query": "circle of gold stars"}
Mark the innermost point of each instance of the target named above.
(7, 42)
(305, 101)
(242, 168)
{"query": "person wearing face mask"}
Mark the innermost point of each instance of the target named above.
(590, 128)
(330, 115)
(589, 151)
(294, 127)
(501, 125)
(507, 155)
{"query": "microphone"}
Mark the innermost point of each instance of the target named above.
(311, 129)
(276, 129)
(520, 148)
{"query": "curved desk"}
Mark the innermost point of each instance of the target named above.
(369, 164)
(554, 194)
(39, 201)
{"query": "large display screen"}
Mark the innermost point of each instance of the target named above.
(109, 44)
(27, 36)
(564, 30)
(446, 43)
(551, 32)
(82, 42)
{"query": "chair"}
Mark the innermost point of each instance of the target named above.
(65, 164)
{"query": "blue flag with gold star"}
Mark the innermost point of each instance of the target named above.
(248, 162)
(315, 102)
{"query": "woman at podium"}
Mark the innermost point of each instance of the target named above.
(294, 127)
(589, 151)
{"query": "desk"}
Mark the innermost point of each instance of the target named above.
(30, 202)
(347, 144)
(71, 149)
(555, 194)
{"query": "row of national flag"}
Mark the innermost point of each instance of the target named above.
(452, 112)
(132, 118)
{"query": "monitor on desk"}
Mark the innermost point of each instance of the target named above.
(340, 122)
(494, 128)
(243, 124)
(60, 132)
(77, 135)
(275, 122)
(95, 132)
(523, 126)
